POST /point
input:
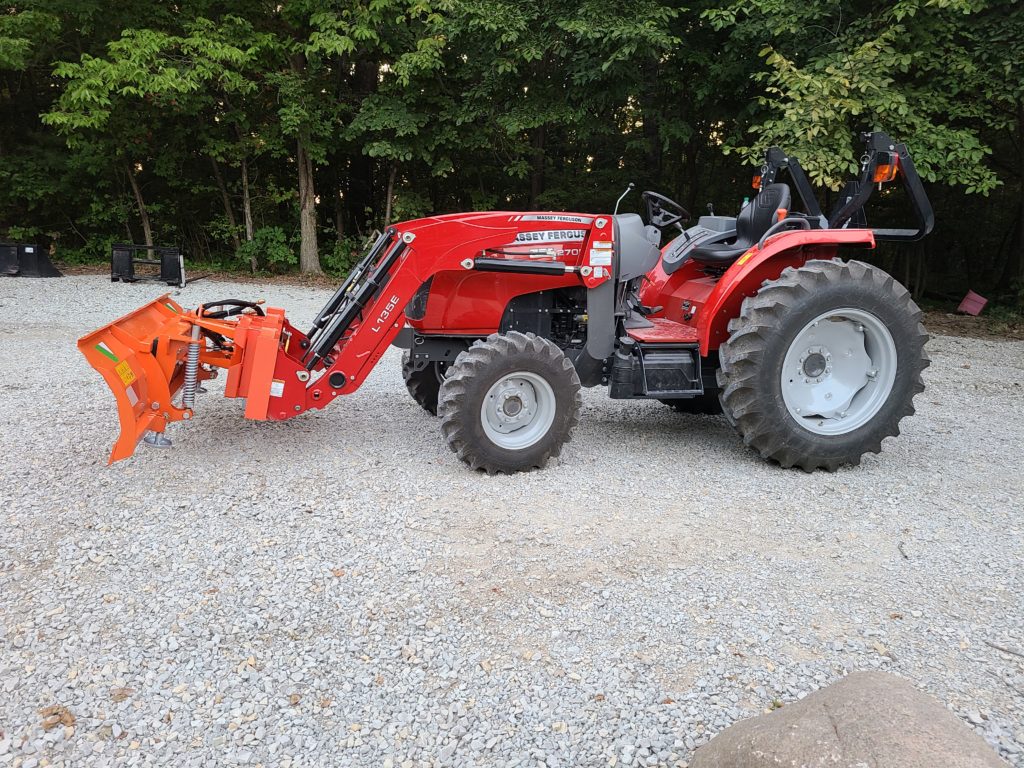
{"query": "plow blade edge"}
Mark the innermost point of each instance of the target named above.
(125, 355)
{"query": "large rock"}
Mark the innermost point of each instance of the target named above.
(866, 720)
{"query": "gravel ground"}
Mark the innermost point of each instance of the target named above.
(339, 590)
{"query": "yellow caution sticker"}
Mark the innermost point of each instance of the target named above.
(125, 372)
(745, 257)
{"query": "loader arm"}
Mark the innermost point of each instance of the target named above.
(154, 358)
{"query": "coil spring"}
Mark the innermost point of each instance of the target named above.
(189, 385)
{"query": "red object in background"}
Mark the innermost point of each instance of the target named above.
(972, 304)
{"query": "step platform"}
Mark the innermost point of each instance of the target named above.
(664, 331)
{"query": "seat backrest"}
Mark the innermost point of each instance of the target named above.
(760, 213)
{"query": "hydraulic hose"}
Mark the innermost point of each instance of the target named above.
(237, 306)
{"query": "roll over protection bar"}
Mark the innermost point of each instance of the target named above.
(879, 149)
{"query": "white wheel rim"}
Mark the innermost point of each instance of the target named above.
(518, 410)
(839, 371)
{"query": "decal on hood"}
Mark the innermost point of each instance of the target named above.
(551, 236)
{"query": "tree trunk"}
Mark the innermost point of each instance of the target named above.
(692, 179)
(359, 198)
(143, 213)
(650, 105)
(390, 195)
(339, 211)
(228, 210)
(1013, 267)
(247, 212)
(537, 171)
(309, 255)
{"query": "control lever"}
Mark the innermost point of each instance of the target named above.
(629, 189)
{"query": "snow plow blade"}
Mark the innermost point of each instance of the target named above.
(154, 359)
(124, 354)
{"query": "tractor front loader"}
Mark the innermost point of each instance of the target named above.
(504, 316)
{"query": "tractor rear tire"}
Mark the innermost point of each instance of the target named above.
(707, 404)
(822, 364)
(425, 383)
(509, 404)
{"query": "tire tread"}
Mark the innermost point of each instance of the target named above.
(742, 355)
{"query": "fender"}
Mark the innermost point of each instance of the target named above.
(749, 271)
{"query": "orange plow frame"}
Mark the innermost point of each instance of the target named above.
(142, 357)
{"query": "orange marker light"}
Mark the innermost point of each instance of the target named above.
(886, 171)
(756, 183)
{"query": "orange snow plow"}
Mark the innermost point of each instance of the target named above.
(155, 358)
(150, 355)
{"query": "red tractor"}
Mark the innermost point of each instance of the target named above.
(506, 315)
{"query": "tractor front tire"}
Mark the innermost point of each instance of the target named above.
(423, 384)
(822, 364)
(509, 404)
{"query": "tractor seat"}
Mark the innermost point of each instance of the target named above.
(752, 222)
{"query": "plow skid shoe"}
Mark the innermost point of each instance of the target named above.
(143, 378)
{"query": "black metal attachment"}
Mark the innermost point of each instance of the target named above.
(879, 150)
(26, 260)
(170, 261)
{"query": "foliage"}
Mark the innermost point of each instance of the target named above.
(271, 248)
(880, 70)
(204, 116)
(343, 255)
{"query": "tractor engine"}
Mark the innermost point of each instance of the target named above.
(559, 315)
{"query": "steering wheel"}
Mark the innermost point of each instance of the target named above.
(662, 212)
